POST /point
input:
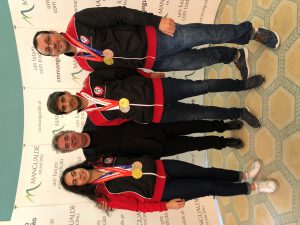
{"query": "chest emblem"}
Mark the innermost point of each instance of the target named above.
(84, 39)
(108, 161)
(98, 91)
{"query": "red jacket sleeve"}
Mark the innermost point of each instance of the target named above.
(134, 204)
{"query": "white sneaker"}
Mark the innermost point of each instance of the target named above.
(253, 170)
(266, 186)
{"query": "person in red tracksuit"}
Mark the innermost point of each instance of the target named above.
(151, 99)
(159, 186)
(122, 37)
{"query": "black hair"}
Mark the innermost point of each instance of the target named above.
(35, 41)
(88, 190)
(52, 102)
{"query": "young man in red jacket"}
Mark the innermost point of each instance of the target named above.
(123, 37)
(148, 100)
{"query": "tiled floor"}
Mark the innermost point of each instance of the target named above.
(277, 142)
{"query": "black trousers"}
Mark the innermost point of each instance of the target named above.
(196, 126)
(189, 181)
(170, 141)
(176, 143)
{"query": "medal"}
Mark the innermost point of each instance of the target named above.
(124, 105)
(107, 53)
(91, 54)
(136, 173)
(137, 165)
(108, 61)
(108, 57)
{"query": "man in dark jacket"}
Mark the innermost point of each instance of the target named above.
(149, 100)
(123, 37)
(157, 140)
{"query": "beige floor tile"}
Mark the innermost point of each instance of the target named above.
(291, 154)
(262, 215)
(265, 146)
(282, 200)
(281, 109)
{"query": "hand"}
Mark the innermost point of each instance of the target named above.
(157, 75)
(167, 26)
(176, 203)
(103, 205)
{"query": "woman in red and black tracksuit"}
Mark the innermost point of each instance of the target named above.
(163, 186)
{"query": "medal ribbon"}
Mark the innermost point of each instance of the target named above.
(107, 103)
(91, 53)
(111, 173)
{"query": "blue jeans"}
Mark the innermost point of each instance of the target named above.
(177, 89)
(192, 181)
(176, 53)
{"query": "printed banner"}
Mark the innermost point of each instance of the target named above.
(196, 212)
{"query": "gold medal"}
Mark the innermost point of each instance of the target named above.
(124, 105)
(107, 53)
(137, 165)
(136, 173)
(108, 61)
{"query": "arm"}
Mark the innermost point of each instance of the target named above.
(133, 204)
(176, 203)
(109, 74)
(114, 16)
(151, 74)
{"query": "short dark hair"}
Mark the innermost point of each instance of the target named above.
(55, 138)
(52, 103)
(35, 42)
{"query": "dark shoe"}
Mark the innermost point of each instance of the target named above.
(242, 63)
(267, 37)
(254, 81)
(234, 143)
(248, 117)
(234, 125)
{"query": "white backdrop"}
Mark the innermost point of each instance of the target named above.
(40, 199)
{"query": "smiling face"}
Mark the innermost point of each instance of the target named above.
(67, 103)
(77, 177)
(52, 44)
(71, 141)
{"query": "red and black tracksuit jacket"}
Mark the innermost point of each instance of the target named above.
(127, 83)
(127, 32)
(143, 195)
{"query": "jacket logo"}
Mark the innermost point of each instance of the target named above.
(108, 161)
(98, 91)
(84, 39)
